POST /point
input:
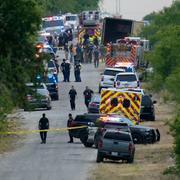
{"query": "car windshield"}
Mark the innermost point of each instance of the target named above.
(117, 136)
(43, 92)
(38, 86)
(127, 69)
(71, 18)
(54, 23)
(126, 77)
(127, 121)
(96, 99)
(111, 72)
(146, 101)
(47, 50)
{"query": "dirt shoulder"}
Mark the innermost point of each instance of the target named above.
(150, 160)
(10, 142)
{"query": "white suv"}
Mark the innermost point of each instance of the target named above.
(126, 80)
(107, 80)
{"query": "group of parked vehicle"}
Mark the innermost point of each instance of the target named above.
(44, 87)
(115, 135)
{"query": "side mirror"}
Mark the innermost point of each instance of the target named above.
(154, 102)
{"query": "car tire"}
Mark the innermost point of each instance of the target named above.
(137, 139)
(57, 98)
(87, 144)
(49, 108)
(99, 157)
(83, 138)
(130, 160)
(153, 118)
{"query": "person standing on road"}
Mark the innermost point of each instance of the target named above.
(43, 125)
(72, 96)
(63, 69)
(96, 56)
(67, 70)
(77, 71)
(87, 95)
(69, 124)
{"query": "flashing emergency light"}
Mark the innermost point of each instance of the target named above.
(38, 77)
(39, 46)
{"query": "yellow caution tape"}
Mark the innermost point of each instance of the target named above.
(44, 130)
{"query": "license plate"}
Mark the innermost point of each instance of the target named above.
(114, 154)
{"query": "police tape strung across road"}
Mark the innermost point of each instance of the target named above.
(44, 130)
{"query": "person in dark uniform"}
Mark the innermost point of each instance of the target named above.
(67, 70)
(63, 69)
(77, 71)
(43, 125)
(69, 124)
(72, 95)
(87, 96)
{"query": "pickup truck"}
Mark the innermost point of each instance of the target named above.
(116, 145)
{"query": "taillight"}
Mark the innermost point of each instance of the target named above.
(100, 144)
(130, 147)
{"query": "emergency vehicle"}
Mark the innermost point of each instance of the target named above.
(121, 101)
(125, 51)
(53, 24)
(89, 24)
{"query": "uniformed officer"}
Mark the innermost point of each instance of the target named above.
(87, 96)
(69, 124)
(72, 96)
(43, 125)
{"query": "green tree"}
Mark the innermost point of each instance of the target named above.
(164, 33)
(19, 22)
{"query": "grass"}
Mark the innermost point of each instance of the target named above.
(151, 161)
(9, 142)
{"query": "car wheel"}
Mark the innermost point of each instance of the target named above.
(137, 139)
(99, 157)
(87, 144)
(57, 97)
(83, 139)
(49, 108)
(153, 118)
(130, 160)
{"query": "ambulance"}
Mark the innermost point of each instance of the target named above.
(121, 101)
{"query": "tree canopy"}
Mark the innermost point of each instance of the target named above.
(164, 34)
(19, 22)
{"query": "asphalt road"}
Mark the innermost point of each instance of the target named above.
(56, 160)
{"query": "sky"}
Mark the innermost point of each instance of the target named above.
(134, 9)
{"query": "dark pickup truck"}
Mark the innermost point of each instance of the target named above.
(140, 134)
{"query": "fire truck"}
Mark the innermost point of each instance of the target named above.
(89, 24)
(121, 45)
